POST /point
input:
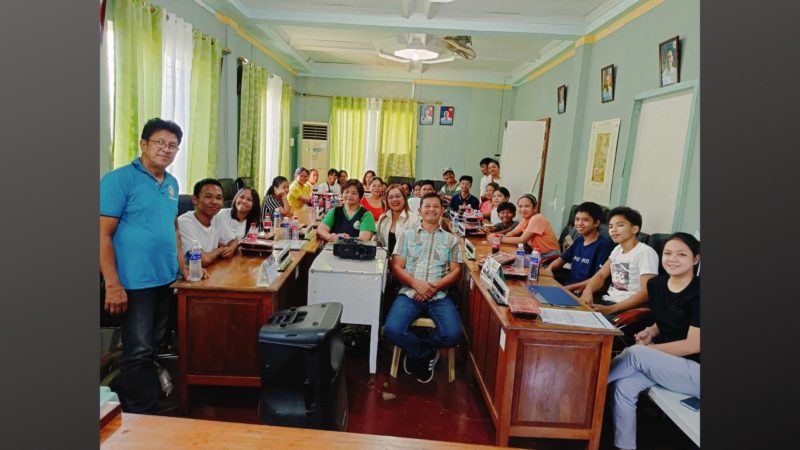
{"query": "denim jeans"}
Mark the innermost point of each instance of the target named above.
(405, 310)
(143, 328)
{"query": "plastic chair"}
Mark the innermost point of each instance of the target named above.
(426, 322)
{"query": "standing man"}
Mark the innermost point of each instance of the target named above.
(139, 255)
(486, 178)
(426, 261)
(450, 186)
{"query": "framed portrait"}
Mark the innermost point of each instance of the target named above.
(562, 99)
(426, 114)
(446, 114)
(607, 83)
(600, 161)
(669, 62)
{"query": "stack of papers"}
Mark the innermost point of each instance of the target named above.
(588, 319)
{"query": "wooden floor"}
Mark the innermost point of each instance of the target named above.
(438, 410)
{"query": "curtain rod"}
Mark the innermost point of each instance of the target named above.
(424, 102)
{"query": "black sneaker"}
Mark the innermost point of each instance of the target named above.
(409, 365)
(426, 368)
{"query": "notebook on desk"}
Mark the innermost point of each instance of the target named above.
(553, 296)
(294, 244)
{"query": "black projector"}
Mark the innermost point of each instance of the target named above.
(352, 248)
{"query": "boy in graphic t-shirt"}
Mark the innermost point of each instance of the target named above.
(630, 265)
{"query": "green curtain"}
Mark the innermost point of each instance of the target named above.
(137, 74)
(252, 123)
(397, 138)
(285, 155)
(346, 137)
(204, 108)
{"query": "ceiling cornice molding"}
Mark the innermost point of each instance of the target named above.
(256, 42)
(462, 79)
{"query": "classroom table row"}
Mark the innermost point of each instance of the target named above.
(537, 379)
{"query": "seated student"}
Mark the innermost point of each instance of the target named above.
(450, 186)
(374, 203)
(415, 192)
(349, 220)
(313, 178)
(343, 178)
(488, 205)
(463, 198)
(534, 229)
(366, 181)
(666, 353)
(589, 251)
(244, 211)
(396, 218)
(631, 264)
(507, 211)
(486, 178)
(426, 261)
(276, 199)
(426, 187)
(500, 195)
(331, 186)
(299, 191)
(204, 226)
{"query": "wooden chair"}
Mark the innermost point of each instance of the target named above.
(451, 352)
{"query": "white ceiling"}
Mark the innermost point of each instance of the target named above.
(341, 38)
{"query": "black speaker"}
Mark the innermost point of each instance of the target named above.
(301, 354)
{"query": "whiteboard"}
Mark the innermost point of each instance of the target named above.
(521, 159)
(658, 155)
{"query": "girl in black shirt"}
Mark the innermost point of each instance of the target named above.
(666, 353)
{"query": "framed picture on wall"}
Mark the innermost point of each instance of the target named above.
(669, 63)
(426, 114)
(562, 99)
(446, 114)
(607, 84)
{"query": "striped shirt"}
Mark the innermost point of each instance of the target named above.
(428, 255)
(271, 203)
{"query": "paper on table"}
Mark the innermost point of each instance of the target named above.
(575, 318)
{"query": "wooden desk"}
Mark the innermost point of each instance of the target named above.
(219, 319)
(538, 380)
(135, 431)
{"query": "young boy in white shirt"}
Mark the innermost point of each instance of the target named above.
(630, 265)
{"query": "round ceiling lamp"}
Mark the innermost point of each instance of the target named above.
(416, 53)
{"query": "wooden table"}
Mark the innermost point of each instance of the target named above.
(219, 317)
(538, 380)
(135, 431)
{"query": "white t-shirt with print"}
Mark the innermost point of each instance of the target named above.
(627, 268)
(209, 238)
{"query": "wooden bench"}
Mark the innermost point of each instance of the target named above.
(670, 402)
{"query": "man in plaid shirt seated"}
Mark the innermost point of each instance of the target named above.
(426, 261)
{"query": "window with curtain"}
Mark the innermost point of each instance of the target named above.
(252, 124)
(373, 133)
(204, 107)
(273, 127)
(285, 157)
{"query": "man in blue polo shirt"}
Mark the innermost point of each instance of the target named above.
(139, 248)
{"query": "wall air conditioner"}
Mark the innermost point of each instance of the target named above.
(314, 147)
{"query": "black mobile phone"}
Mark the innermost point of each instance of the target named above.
(692, 403)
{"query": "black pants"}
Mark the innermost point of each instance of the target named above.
(143, 328)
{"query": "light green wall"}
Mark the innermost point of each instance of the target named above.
(203, 21)
(474, 133)
(634, 51)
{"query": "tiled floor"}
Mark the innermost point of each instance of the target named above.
(438, 410)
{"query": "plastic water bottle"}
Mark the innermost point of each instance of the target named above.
(533, 272)
(286, 229)
(295, 228)
(276, 218)
(195, 262)
(455, 225)
(519, 261)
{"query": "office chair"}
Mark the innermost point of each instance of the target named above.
(398, 180)
(243, 182)
(185, 203)
(228, 191)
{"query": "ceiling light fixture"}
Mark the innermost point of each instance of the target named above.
(416, 52)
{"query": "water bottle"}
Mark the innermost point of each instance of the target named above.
(276, 218)
(286, 229)
(455, 225)
(519, 261)
(533, 272)
(195, 262)
(295, 228)
(165, 380)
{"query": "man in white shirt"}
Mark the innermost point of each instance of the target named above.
(669, 73)
(204, 227)
(486, 178)
(630, 265)
(331, 185)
